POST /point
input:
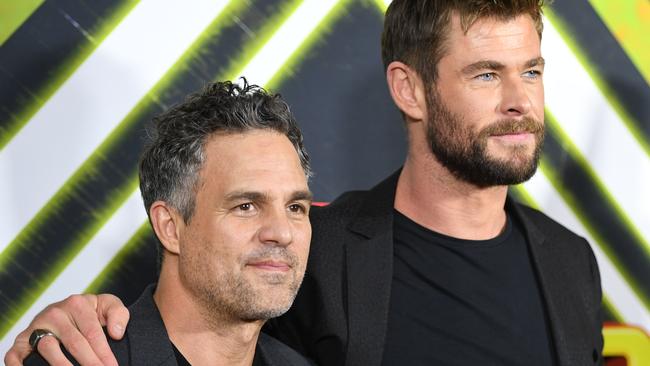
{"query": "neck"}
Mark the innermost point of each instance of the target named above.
(432, 196)
(203, 336)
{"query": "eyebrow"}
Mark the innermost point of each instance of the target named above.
(302, 196)
(482, 66)
(539, 61)
(264, 197)
(495, 65)
(246, 196)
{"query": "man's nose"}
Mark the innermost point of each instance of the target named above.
(276, 228)
(515, 98)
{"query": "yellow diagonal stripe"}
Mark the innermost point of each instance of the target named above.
(13, 14)
(629, 22)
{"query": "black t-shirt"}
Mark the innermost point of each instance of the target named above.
(464, 302)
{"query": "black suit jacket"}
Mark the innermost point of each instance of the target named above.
(340, 315)
(147, 343)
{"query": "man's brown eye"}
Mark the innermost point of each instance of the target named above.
(245, 206)
(296, 208)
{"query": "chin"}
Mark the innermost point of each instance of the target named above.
(517, 157)
(266, 311)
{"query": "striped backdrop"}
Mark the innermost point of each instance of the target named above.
(79, 80)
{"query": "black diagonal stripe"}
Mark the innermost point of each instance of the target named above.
(609, 60)
(359, 139)
(132, 269)
(41, 48)
(51, 236)
(592, 204)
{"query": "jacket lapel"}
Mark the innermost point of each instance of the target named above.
(369, 254)
(566, 320)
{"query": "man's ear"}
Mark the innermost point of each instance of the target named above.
(166, 224)
(407, 90)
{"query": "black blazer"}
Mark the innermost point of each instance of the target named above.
(146, 341)
(341, 312)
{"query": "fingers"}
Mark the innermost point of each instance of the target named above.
(113, 314)
(82, 334)
(50, 349)
(20, 350)
(75, 321)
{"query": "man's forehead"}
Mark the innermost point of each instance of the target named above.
(488, 26)
(490, 38)
(264, 178)
(252, 161)
(257, 148)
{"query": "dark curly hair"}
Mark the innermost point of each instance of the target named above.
(170, 163)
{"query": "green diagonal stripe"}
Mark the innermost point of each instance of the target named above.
(321, 30)
(23, 303)
(381, 5)
(522, 195)
(236, 65)
(630, 123)
(611, 309)
(13, 14)
(120, 258)
(629, 23)
(561, 135)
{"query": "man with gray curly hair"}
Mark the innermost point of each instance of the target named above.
(224, 182)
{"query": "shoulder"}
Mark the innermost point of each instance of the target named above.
(375, 203)
(566, 246)
(330, 231)
(329, 223)
(342, 208)
(275, 352)
(551, 229)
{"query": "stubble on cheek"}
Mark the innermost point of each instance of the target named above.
(235, 290)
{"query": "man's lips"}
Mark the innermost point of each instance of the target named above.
(270, 265)
(514, 136)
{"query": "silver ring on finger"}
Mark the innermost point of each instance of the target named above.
(39, 334)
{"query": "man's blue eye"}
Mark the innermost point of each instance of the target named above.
(486, 77)
(532, 74)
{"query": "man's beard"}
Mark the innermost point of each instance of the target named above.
(463, 150)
